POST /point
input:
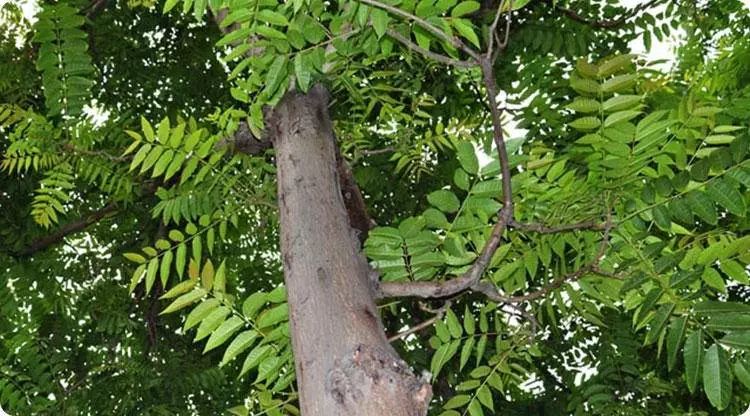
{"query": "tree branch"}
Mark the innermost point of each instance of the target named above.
(543, 229)
(67, 229)
(428, 54)
(451, 40)
(492, 293)
(424, 324)
(505, 215)
(604, 23)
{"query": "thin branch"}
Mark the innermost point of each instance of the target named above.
(544, 229)
(67, 229)
(489, 290)
(603, 23)
(452, 40)
(373, 152)
(450, 287)
(428, 54)
(492, 33)
(505, 216)
(490, 84)
(424, 324)
(72, 148)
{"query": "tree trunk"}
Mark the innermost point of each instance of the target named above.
(344, 363)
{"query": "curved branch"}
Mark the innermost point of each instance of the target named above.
(67, 229)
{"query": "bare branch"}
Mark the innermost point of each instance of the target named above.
(373, 152)
(424, 324)
(428, 54)
(497, 132)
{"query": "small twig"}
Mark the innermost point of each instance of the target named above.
(492, 292)
(424, 324)
(373, 152)
(604, 23)
(544, 229)
(521, 312)
(429, 54)
(492, 33)
(72, 148)
(452, 40)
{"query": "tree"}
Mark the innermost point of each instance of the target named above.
(333, 212)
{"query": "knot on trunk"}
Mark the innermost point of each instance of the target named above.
(372, 376)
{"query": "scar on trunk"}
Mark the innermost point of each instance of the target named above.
(371, 372)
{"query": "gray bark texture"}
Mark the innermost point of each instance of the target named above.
(344, 363)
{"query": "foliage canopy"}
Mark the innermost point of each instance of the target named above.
(139, 247)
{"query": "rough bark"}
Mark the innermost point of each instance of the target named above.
(344, 363)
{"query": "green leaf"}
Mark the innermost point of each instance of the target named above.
(272, 17)
(303, 72)
(620, 116)
(469, 321)
(457, 401)
(585, 123)
(619, 83)
(464, 8)
(729, 322)
(743, 375)
(621, 102)
(443, 354)
(485, 397)
(717, 378)
(614, 65)
(169, 5)
(207, 275)
(734, 270)
(166, 264)
(148, 131)
(140, 156)
(140, 271)
(153, 266)
(466, 352)
(181, 258)
(467, 157)
(714, 307)
(727, 196)
(714, 279)
(584, 105)
(273, 316)
(738, 340)
(702, 206)
(184, 301)
(444, 200)
(179, 289)
(693, 354)
(223, 332)
(220, 278)
(238, 345)
(211, 322)
(380, 19)
(453, 325)
(200, 312)
(255, 357)
(658, 322)
(135, 257)
(675, 335)
(466, 30)
(253, 303)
